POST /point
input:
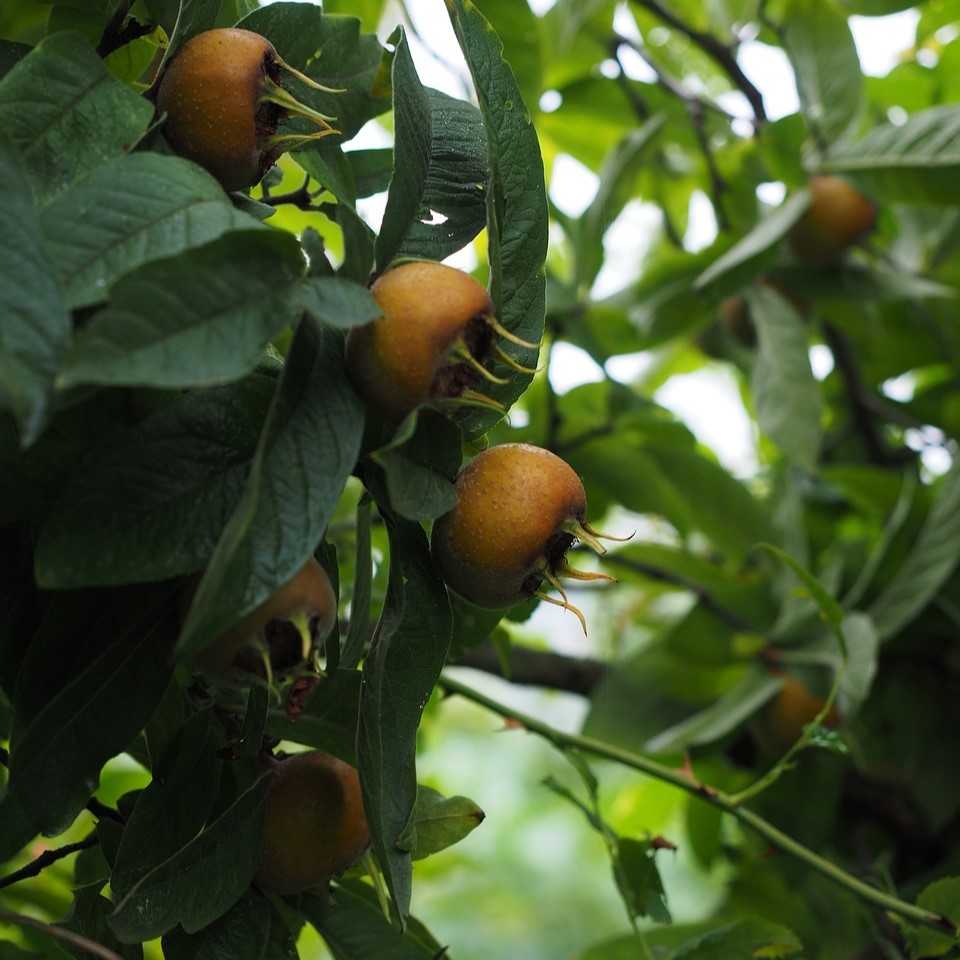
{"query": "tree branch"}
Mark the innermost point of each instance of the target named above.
(60, 933)
(47, 859)
(684, 780)
(721, 54)
(704, 597)
(538, 668)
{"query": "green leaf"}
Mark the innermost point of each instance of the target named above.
(88, 917)
(168, 321)
(408, 650)
(359, 626)
(914, 162)
(519, 29)
(439, 171)
(137, 209)
(932, 559)
(721, 717)
(180, 796)
(751, 254)
(617, 183)
(36, 326)
(818, 41)
(60, 95)
(940, 897)
(517, 213)
(750, 937)
(353, 927)
(337, 302)
(786, 394)
(329, 719)
(638, 879)
(420, 465)
(307, 449)
(92, 676)
(203, 881)
(152, 502)
(242, 933)
(441, 821)
(332, 51)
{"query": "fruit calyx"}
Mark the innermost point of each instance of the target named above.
(435, 342)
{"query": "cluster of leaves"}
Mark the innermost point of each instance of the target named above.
(174, 402)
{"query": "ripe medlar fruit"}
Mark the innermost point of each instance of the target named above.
(432, 342)
(313, 826)
(224, 102)
(519, 509)
(837, 217)
(278, 635)
(781, 721)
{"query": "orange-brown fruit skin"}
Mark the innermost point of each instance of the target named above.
(512, 501)
(313, 825)
(210, 92)
(309, 593)
(781, 721)
(398, 361)
(838, 216)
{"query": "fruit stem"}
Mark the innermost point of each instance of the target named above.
(683, 780)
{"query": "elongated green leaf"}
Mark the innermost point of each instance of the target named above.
(411, 152)
(307, 449)
(931, 561)
(751, 254)
(88, 917)
(442, 821)
(153, 502)
(180, 796)
(201, 882)
(818, 41)
(914, 162)
(139, 208)
(617, 181)
(517, 214)
(87, 685)
(354, 928)
(420, 464)
(168, 322)
(406, 655)
(358, 629)
(241, 933)
(787, 396)
(941, 897)
(437, 198)
(721, 717)
(61, 95)
(338, 302)
(36, 324)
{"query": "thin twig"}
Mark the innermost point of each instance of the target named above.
(704, 597)
(721, 54)
(47, 859)
(684, 780)
(60, 933)
(538, 668)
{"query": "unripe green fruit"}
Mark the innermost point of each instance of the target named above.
(285, 626)
(224, 102)
(519, 509)
(837, 217)
(313, 825)
(435, 334)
